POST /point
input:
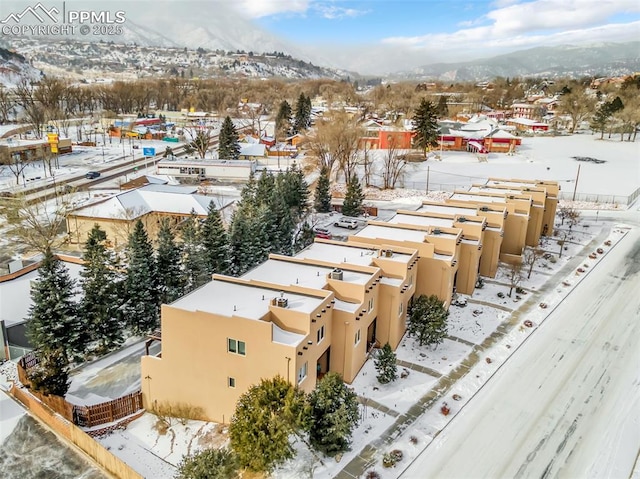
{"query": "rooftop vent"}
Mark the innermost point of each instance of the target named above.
(281, 302)
(484, 208)
(436, 231)
(462, 219)
(337, 273)
(387, 253)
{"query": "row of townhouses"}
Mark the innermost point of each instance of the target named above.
(325, 308)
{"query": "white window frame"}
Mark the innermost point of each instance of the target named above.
(357, 337)
(303, 372)
(371, 304)
(236, 347)
(320, 334)
(401, 309)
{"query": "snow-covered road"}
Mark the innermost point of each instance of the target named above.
(567, 404)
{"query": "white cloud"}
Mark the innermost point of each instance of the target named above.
(264, 8)
(333, 12)
(531, 23)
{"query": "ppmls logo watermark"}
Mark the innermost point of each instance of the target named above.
(38, 20)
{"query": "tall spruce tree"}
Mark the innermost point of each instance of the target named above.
(386, 365)
(265, 416)
(322, 200)
(171, 283)
(101, 285)
(265, 187)
(283, 118)
(303, 114)
(215, 242)
(294, 189)
(228, 147)
(279, 224)
(425, 126)
(303, 237)
(53, 321)
(51, 374)
(142, 301)
(334, 415)
(193, 257)
(353, 198)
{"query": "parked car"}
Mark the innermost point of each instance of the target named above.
(322, 233)
(346, 223)
(92, 174)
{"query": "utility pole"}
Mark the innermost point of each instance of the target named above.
(575, 187)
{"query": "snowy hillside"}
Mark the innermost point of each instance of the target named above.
(14, 67)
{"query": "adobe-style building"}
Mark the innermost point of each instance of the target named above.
(398, 267)
(472, 228)
(326, 307)
(438, 252)
(226, 336)
(494, 217)
(517, 208)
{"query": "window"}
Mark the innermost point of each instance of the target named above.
(320, 334)
(232, 382)
(357, 338)
(302, 373)
(401, 309)
(370, 304)
(411, 280)
(236, 347)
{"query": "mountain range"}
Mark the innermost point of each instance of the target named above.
(605, 59)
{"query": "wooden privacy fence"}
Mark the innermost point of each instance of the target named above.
(102, 456)
(106, 412)
(83, 416)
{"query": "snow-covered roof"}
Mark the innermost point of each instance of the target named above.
(292, 273)
(279, 335)
(253, 149)
(151, 198)
(526, 122)
(447, 209)
(502, 134)
(15, 295)
(421, 220)
(385, 232)
(347, 254)
(345, 306)
(226, 298)
(479, 198)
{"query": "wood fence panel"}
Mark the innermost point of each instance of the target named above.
(103, 457)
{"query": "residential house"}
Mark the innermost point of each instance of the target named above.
(117, 215)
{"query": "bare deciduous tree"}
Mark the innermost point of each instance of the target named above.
(514, 276)
(530, 257)
(393, 165)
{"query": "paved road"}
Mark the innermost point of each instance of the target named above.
(568, 402)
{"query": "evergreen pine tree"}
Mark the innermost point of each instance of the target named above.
(428, 320)
(171, 284)
(142, 305)
(294, 189)
(353, 198)
(215, 242)
(283, 118)
(265, 187)
(386, 365)
(304, 237)
(265, 416)
(302, 118)
(279, 224)
(100, 303)
(193, 258)
(322, 201)
(53, 323)
(209, 464)
(51, 374)
(425, 126)
(334, 415)
(228, 147)
(442, 109)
